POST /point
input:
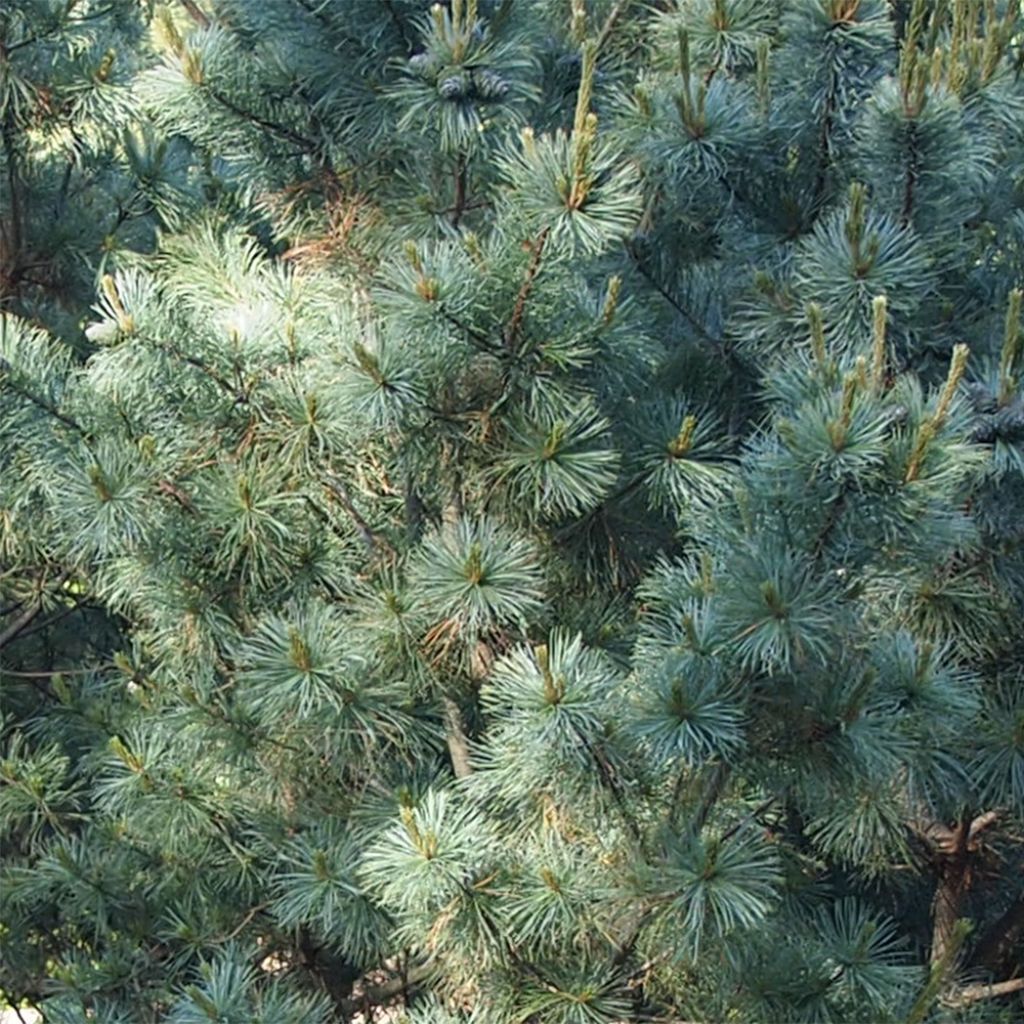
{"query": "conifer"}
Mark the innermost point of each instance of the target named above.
(515, 513)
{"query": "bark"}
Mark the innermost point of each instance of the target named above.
(11, 228)
(458, 745)
(953, 883)
(518, 312)
(954, 848)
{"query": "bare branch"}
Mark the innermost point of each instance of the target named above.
(366, 533)
(22, 622)
(976, 993)
(686, 314)
(980, 823)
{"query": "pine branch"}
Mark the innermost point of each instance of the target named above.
(171, 490)
(334, 974)
(245, 922)
(39, 685)
(676, 800)
(969, 994)
(610, 22)
(626, 948)
(12, 269)
(749, 819)
(519, 310)
(367, 534)
(408, 36)
(611, 784)
(22, 622)
(836, 507)
(195, 13)
(412, 504)
(101, 12)
(31, 610)
(282, 131)
(477, 337)
(687, 314)
(21, 1017)
(937, 975)
(194, 361)
(644, 917)
(41, 403)
(52, 621)
(61, 199)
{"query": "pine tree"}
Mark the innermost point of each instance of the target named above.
(529, 530)
(82, 173)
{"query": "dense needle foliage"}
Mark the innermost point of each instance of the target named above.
(512, 510)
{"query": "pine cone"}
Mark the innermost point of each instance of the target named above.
(453, 88)
(492, 86)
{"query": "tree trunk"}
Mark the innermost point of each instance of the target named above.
(954, 881)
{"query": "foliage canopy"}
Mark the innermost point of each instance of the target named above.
(511, 511)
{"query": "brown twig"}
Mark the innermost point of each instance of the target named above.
(245, 921)
(195, 13)
(516, 323)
